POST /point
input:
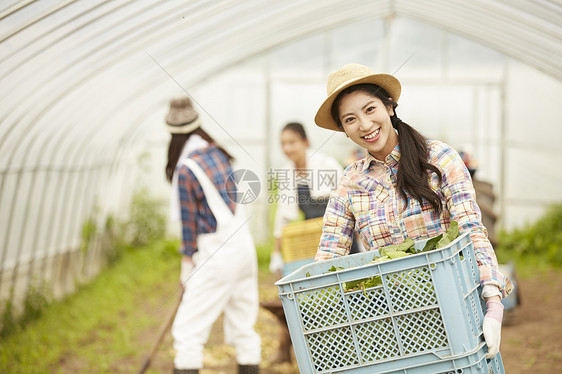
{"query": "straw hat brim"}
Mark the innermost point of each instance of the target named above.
(388, 82)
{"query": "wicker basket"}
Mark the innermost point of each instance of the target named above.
(299, 240)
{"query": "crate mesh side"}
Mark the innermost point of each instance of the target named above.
(411, 289)
(470, 301)
(472, 264)
(332, 349)
(496, 365)
(467, 307)
(377, 340)
(481, 367)
(422, 331)
(476, 311)
(321, 308)
(368, 304)
(472, 306)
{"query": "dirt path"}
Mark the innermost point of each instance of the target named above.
(532, 335)
(220, 358)
(531, 340)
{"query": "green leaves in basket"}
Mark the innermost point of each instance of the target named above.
(335, 268)
(442, 240)
(395, 251)
(307, 274)
(362, 284)
(407, 246)
(380, 259)
(451, 234)
(431, 244)
(396, 254)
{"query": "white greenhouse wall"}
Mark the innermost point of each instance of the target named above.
(85, 88)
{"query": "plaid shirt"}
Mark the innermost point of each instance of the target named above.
(196, 215)
(367, 200)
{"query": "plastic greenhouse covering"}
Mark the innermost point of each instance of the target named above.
(85, 86)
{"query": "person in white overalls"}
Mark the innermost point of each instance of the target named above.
(220, 277)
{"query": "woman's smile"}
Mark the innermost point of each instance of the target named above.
(372, 136)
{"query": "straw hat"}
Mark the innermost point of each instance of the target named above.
(182, 118)
(350, 75)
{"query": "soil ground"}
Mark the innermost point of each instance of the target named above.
(531, 336)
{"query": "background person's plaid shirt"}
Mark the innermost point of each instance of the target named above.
(196, 215)
(366, 199)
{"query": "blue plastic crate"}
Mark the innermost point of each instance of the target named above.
(426, 317)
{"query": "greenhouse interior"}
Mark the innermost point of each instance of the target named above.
(86, 86)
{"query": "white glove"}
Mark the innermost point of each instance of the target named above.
(492, 327)
(276, 263)
(186, 269)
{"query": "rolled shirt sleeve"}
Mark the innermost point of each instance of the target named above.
(460, 199)
(339, 223)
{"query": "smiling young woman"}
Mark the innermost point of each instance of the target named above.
(406, 187)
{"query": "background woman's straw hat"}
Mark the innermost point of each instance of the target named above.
(350, 75)
(182, 118)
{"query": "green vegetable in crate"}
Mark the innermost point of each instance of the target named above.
(451, 234)
(397, 254)
(395, 251)
(335, 268)
(442, 240)
(362, 284)
(406, 246)
(431, 244)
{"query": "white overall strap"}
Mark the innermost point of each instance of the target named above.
(218, 206)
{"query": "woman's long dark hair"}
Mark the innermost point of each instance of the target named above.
(176, 146)
(413, 167)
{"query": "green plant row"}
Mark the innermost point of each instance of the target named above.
(96, 329)
(538, 243)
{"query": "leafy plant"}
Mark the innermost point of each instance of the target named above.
(538, 242)
(103, 327)
(36, 300)
(88, 233)
(393, 251)
(147, 222)
(9, 321)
